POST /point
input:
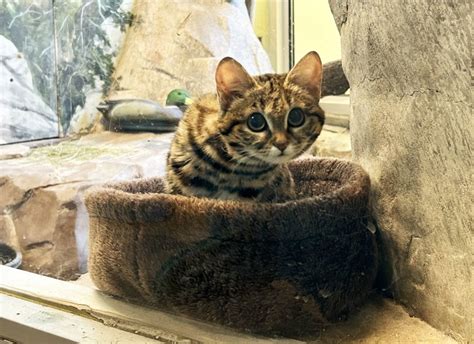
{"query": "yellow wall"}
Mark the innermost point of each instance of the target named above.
(315, 29)
(260, 22)
(261, 25)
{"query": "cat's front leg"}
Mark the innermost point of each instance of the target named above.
(281, 187)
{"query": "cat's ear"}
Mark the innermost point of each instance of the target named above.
(232, 80)
(307, 74)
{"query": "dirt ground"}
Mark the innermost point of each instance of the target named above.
(381, 321)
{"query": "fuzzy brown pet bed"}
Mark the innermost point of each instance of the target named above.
(282, 268)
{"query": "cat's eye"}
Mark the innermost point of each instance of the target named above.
(256, 122)
(296, 117)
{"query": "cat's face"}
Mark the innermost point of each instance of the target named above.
(270, 118)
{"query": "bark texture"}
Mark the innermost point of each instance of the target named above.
(334, 80)
(408, 66)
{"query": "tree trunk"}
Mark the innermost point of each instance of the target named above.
(411, 128)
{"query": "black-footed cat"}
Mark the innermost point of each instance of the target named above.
(235, 144)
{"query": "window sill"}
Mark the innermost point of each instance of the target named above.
(68, 313)
(337, 110)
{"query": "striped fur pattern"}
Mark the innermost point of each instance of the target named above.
(216, 153)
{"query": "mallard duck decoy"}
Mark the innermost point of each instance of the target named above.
(144, 114)
(180, 98)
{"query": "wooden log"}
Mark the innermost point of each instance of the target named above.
(334, 79)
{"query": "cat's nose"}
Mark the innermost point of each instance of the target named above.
(281, 142)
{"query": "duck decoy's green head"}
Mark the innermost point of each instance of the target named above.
(179, 97)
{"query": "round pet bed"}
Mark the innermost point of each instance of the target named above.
(272, 268)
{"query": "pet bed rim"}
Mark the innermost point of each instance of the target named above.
(351, 190)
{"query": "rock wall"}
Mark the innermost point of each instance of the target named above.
(178, 43)
(42, 212)
(70, 48)
(23, 114)
(411, 126)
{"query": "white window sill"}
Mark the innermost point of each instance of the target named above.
(63, 312)
(337, 110)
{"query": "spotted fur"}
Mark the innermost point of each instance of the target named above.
(215, 154)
